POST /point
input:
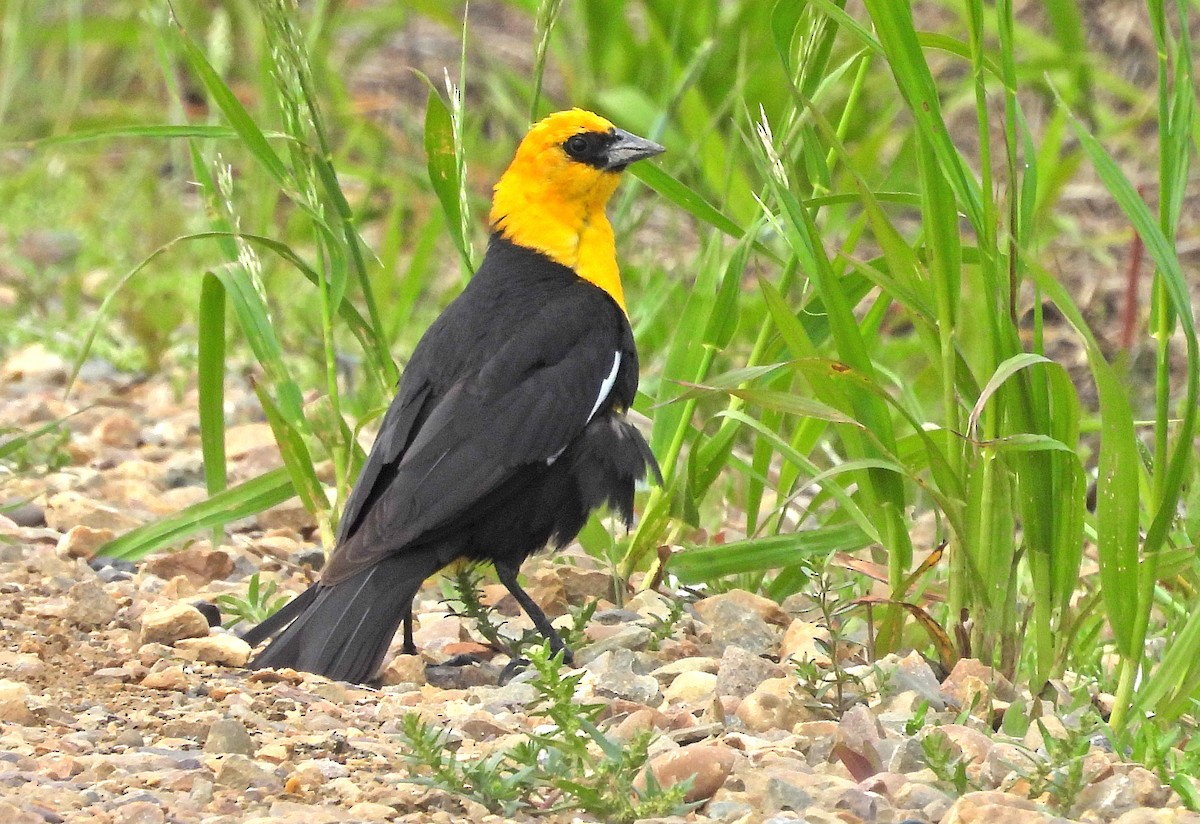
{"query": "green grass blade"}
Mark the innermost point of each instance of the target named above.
(1175, 284)
(759, 555)
(789, 454)
(296, 458)
(692, 202)
(547, 16)
(16, 443)
(240, 501)
(897, 35)
(1004, 371)
(442, 163)
(210, 379)
(773, 399)
(133, 132)
(243, 124)
(1117, 493)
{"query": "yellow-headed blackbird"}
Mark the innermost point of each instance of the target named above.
(509, 425)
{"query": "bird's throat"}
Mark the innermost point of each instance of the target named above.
(573, 233)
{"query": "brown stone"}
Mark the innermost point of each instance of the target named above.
(764, 608)
(973, 744)
(639, 721)
(166, 625)
(961, 685)
(139, 812)
(82, 541)
(171, 678)
(775, 705)
(650, 604)
(547, 590)
(218, 648)
(36, 364)
(14, 706)
(69, 509)
(90, 605)
(403, 669)
(692, 688)
(481, 651)
(434, 633)
(245, 438)
(583, 585)
(800, 643)
(241, 773)
(290, 514)
(860, 733)
(1170, 815)
(740, 672)
(482, 726)
(991, 807)
(198, 563)
(707, 764)
(1121, 793)
(118, 429)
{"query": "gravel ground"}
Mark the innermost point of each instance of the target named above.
(119, 704)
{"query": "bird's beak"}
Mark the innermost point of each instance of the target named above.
(627, 148)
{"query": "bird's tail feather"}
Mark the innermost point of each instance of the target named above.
(343, 631)
(279, 619)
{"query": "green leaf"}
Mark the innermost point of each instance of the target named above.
(442, 164)
(1117, 493)
(210, 379)
(1003, 372)
(757, 555)
(133, 132)
(244, 499)
(243, 124)
(780, 401)
(296, 456)
(692, 202)
(1175, 285)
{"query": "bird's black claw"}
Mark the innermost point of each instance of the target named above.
(511, 670)
(466, 659)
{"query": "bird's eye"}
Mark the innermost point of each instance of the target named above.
(576, 145)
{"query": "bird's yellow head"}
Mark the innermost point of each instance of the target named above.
(553, 194)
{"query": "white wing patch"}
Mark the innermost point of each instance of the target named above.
(605, 387)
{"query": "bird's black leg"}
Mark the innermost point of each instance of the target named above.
(410, 647)
(508, 577)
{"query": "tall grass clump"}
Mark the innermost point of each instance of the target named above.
(296, 162)
(833, 435)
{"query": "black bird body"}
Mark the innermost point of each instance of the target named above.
(507, 431)
(508, 428)
(527, 362)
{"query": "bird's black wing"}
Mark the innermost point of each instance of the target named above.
(395, 433)
(529, 400)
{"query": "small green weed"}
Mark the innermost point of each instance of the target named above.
(1173, 753)
(467, 602)
(580, 616)
(664, 627)
(259, 604)
(917, 722)
(835, 688)
(947, 761)
(568, 764)
(1060, 775)
(44, 448)
(495, 781)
